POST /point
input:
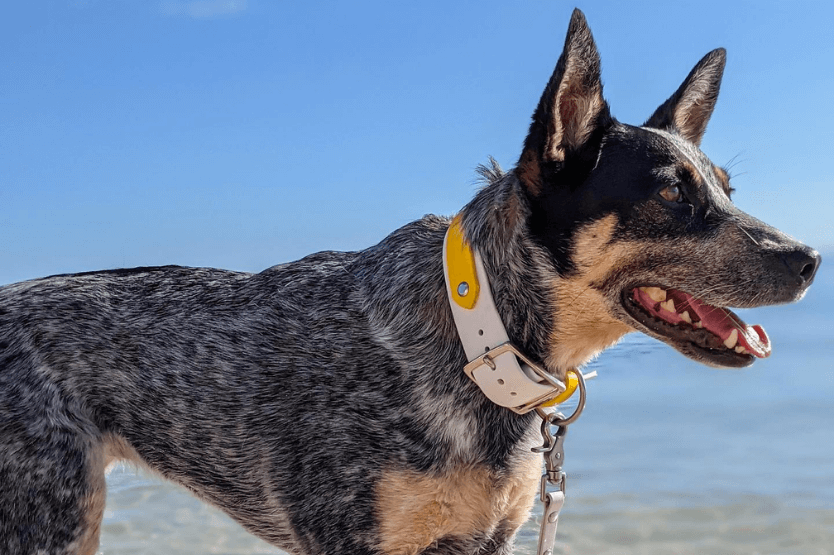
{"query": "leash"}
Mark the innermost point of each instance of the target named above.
(505, 375)
(553, 451)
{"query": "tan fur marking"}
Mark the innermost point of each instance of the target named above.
(574, 122)
(117, 449)
(525, 488)
(692, 114)
(529, 172)
(580, 111)
(723, 178)
(692, 172)
(584, 325)
(92, 506)
(682, 115)
(415, 509)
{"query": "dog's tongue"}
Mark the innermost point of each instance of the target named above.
(720, 321)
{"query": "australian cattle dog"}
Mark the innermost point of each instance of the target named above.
(322, 403)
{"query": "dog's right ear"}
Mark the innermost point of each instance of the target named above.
(570, 110)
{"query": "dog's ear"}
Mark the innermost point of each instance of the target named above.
(689, 109)
(570, 110)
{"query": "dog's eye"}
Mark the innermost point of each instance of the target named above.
(672, 193)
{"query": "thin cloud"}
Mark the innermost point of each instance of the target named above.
(203, 9)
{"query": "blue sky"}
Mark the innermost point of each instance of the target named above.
(245, 133)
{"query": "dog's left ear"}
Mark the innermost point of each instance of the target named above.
(570, 110)
(689, 109)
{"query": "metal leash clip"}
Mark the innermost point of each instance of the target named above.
(553, 450)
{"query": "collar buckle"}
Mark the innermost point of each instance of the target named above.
(489, 371)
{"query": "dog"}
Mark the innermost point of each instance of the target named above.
(322, 403)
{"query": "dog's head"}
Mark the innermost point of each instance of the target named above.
(640, 224)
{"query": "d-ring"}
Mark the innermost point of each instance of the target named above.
(557, 418)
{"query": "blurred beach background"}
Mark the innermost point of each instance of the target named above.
(245, 133)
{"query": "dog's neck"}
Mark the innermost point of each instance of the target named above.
(407, 309)
(520, 272)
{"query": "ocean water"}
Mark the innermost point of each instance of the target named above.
(669, 457)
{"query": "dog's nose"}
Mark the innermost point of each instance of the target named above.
(803, 264)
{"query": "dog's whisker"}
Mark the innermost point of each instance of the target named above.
(748, 234)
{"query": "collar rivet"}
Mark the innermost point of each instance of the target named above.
(463, 289)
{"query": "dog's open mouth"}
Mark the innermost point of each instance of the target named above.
(714, 334)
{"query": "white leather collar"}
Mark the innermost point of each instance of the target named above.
(502, 372)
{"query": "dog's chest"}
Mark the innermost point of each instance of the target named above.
(415, 509)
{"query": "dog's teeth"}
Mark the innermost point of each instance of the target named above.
(731, 341)
(741, 350)
(656, 293)
(699, 324)
(685, 317)
(668, 305)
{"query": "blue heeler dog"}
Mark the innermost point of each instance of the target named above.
(322, 403)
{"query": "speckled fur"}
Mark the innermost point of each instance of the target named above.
(322, 403)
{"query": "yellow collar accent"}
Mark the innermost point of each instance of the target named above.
(460, 267)
(571, 383)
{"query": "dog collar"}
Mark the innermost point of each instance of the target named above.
(504, 374)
